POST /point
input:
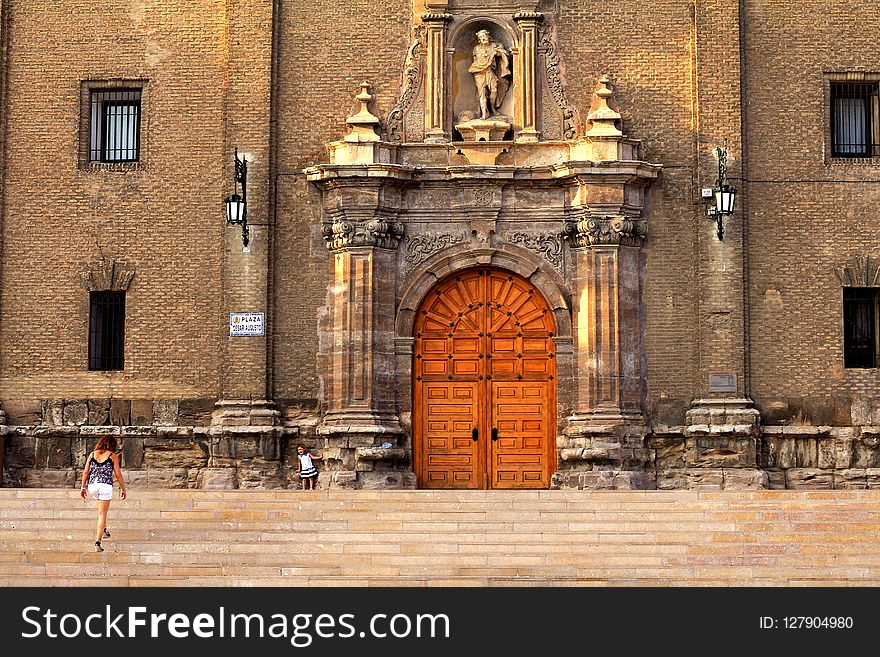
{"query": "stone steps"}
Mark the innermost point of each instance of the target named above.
(427, 538)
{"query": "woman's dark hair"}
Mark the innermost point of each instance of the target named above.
(107, 444)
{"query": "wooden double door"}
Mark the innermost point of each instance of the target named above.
(484, 377)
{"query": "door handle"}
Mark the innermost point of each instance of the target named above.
(475, 434)
(494, 434)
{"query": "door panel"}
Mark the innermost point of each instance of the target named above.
(519, 456)
(484, 359)
(450, 412)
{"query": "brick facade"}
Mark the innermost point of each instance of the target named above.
(277, 81)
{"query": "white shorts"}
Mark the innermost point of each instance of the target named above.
(101, 491)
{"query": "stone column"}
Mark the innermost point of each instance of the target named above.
(435, 77)
(527, 100)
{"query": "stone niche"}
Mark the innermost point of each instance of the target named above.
(467, 123)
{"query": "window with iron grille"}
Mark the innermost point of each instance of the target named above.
(855, 119)
(861, 315)
(106, 330)
(114, 125)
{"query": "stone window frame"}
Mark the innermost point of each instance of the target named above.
(830, 77)
(105, 275)
(860, 272)
(113, 84)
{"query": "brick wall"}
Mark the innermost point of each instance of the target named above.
(807, 214)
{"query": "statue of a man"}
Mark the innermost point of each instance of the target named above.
(490, 68)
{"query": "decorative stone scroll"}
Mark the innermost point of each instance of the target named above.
(860, 271)
(411, 82)
(380, 233)
(108, 276)
(547, 42)
(548, 247)
(421, 247)
(605, 229)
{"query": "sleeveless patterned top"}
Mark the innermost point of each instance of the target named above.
(101, 473)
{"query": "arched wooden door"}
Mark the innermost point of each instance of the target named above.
(484, 379)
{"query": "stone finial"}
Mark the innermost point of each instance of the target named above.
(363, 124)
(602, 121)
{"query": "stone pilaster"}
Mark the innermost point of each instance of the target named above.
(607, 292)
(527, 100)
(722, 271)
(244, 386)
(435, 77)
(2, 442)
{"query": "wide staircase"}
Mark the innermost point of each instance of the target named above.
(444, 538)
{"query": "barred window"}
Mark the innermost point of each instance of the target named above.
(855, 119)
(114, 125)
(861, 315)
(106, 330)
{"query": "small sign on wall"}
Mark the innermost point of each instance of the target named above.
(725, 382)
(246, 324)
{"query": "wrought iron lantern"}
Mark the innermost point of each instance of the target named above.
(236, 206)
(724, 195)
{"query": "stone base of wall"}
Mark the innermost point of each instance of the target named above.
(621, 457)
(195, 457)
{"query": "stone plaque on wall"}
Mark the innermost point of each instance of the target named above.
(723, 382)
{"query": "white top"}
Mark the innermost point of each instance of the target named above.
(305, 461)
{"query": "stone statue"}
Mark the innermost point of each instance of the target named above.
(490, 69)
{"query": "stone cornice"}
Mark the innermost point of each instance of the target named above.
(534, 16)
(436, 17)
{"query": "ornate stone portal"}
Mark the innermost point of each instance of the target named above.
(495, 180)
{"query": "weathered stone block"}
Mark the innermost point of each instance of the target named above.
(220, 478)
(141, 412)
(809, 479)
(165, 411)
(851, 478)
(120, 412)
(262, 474)
(31, 478)
(133, 452)
(53, 412)
(672, 479)
(344, 479)
(806, 452)
(786, 453)
(873, 477)
(99, 412)
(705, 479)
(76, 413)
(865, 452)
(23, 412)
(382, 479)
(720, 451)
(20, 451)
(827, 453)
(174, 453)
(745, 479)
(776, 479)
